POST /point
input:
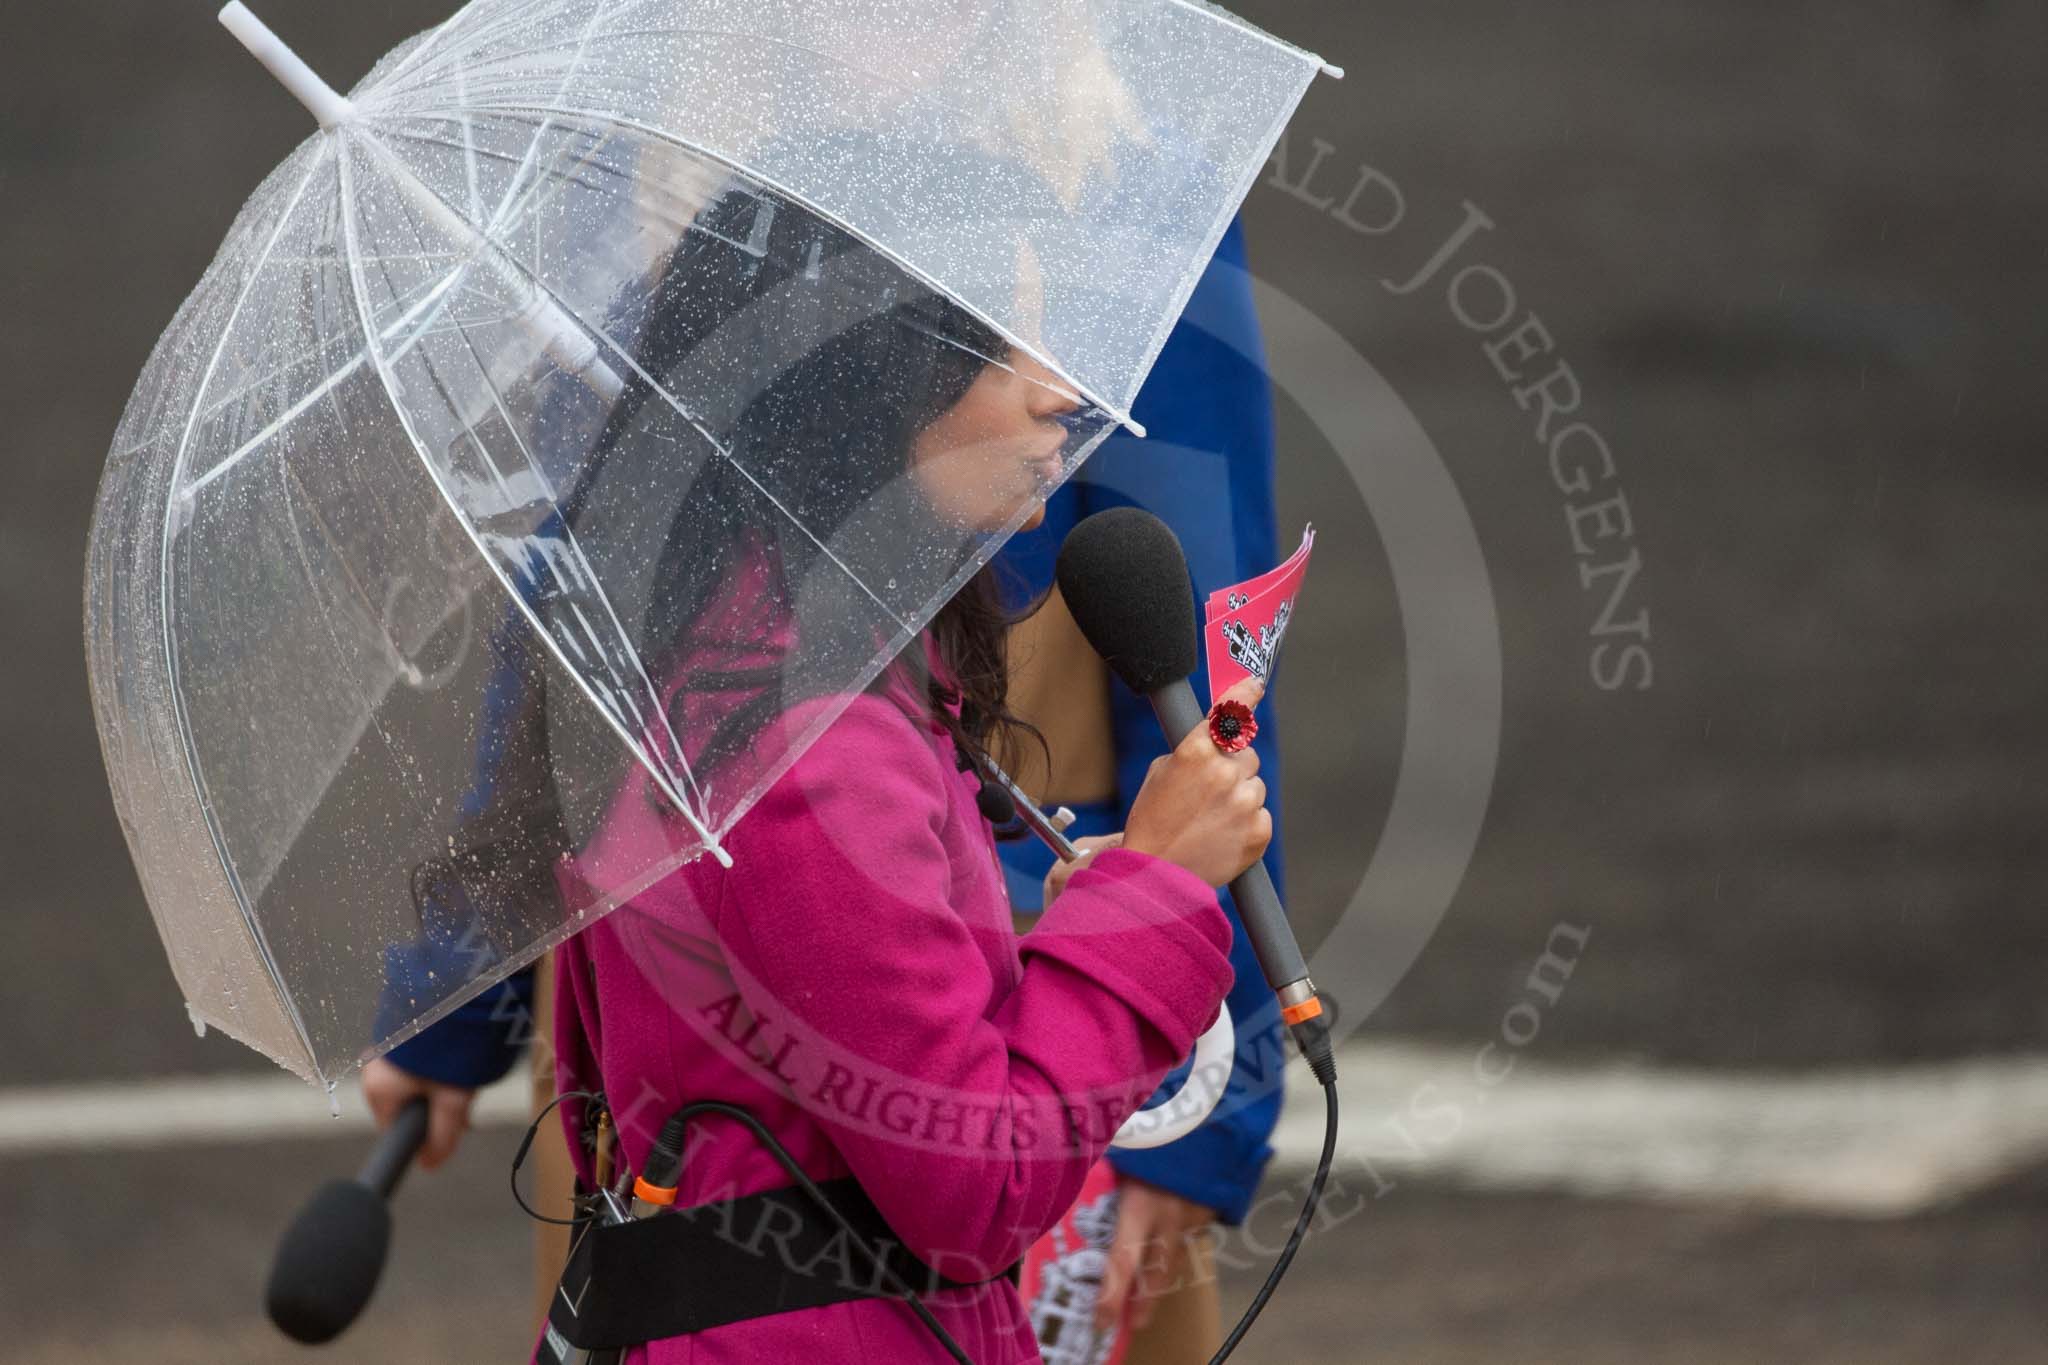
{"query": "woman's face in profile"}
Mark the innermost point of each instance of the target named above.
(997, 449)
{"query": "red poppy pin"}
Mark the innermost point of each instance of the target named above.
(1231, 725)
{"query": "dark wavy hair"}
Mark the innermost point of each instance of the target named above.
(854, 357)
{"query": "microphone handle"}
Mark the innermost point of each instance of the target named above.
(395, 1149)
(1258, 904)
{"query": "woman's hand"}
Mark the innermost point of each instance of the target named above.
(1203, 809)
(387, 1086)
(1149, 1256)
(1063, 872)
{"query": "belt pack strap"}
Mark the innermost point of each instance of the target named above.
(689, 1270)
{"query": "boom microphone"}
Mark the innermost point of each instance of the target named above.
(1125, 579)
(330, 1257)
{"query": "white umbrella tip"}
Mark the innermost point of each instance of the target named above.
(307, 87)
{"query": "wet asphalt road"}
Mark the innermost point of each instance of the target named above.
(159, 1258)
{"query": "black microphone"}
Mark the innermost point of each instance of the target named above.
(1125, 579)
(329, 1259)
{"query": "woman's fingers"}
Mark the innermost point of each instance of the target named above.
(1157, 1273)
(1126, 1251)
(1202, 808)
(1248, 690)
(447, 1121)
(1148, 1256)
(386, 1086)
(1062, 871)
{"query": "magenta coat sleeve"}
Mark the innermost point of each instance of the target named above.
(974, 1076)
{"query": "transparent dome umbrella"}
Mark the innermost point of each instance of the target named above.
(578, 419)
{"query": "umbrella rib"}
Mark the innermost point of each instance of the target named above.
(1229, 20)
(411, 67)
(731, 459)
(486, 236)
(391, 128)
(319, 391)
(184, 719)
(288, 476)
(469, 155)
(723, 451)
(504, 23)
(531, 160)
(552, 112)
(405, 422)
(283, 367)
(584, 570)
(608, 342)
(558, 180)
(966, 113)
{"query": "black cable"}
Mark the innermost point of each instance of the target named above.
(817, 1195)
(526, 1144)
(1324, 1073)
(796, 1173)
(1308, 1213)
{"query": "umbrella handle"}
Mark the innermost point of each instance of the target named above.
(1208, 1078)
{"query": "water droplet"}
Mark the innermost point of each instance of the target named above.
(333, 1101)
(198, 1024)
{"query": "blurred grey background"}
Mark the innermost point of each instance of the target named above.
(1795, 254)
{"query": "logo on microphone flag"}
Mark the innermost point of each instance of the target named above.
(1246, 622)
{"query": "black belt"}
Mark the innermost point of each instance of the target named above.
(689, 1270)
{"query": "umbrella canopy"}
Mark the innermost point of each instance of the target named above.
(601, 381)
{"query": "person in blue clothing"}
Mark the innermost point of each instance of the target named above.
(1206, 468)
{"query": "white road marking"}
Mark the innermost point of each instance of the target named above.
(192, 1109)
(1861, 1142)
(1875, 1142)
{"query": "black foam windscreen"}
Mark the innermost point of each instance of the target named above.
(1125, 579)
(328, 1262)
(995, 804)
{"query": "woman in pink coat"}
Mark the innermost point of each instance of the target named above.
(853, 979)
